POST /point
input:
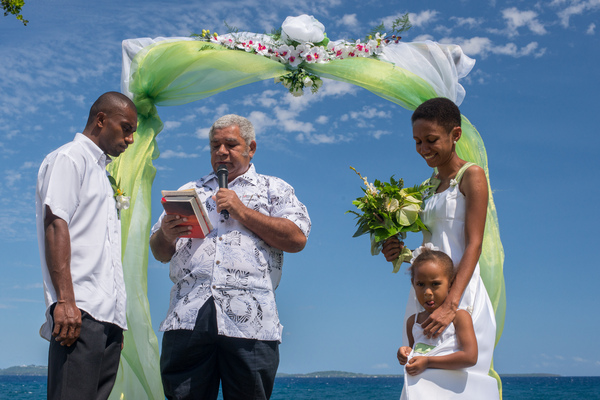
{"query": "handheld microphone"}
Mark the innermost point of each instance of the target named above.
(222, 176)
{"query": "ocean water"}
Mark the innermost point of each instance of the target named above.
(515, 388)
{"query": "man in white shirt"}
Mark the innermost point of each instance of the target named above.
(79, 237)
(222, 325)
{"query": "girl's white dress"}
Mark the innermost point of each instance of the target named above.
(444, 216)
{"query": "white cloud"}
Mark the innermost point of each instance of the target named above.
(322, 119)
(423, 18)
(591, 29)
(348, 20)
(176, 154)
(516, 19)
(576, 7)
(442, 30)
(422, 38)
(214, 112)
(321, 138)
(482, 46)
(172, 125)
(29, 165)
(11, 134)
(467, 22)
(379, 133)
(369, 113)
(12, 177)
(202, 133)
(336, 88)
(261, 121)
(265, 99)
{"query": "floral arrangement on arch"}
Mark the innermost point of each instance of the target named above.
(303, 39)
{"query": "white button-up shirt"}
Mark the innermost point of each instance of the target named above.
(73, 182)
(232, 264)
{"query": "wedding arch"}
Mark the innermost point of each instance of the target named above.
(176, 71)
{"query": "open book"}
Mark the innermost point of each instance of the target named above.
(187, 204)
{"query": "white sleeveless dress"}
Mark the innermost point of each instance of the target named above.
(444, 216)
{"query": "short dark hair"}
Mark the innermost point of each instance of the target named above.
(440, 110)
(109, 102)
(437, 256)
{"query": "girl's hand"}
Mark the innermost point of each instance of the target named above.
(403, 353)
(439, 320)
(416, 365)
(392, 248)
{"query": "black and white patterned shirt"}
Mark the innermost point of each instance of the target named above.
(232, 264)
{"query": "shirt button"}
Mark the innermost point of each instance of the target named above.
(214, 286)
(221, 238)
(218, 262)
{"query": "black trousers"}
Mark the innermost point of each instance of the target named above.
(193, 363)
(88, 368)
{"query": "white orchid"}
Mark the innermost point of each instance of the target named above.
(123, 202)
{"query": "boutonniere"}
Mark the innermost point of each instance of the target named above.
(119, 195)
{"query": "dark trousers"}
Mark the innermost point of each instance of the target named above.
(193, 363)
(88, 368)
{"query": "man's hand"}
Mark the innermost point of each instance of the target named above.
(416, 365)
(402, 354)
(227, 199)
(171, 228)
(67, 322)
(162, 242)
(438, 321)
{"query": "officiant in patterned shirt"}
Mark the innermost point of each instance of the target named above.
(222, 325)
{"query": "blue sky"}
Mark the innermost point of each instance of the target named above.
(531, 96)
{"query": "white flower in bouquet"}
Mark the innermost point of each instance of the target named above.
(304, 28)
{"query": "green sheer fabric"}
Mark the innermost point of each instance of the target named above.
(179, 72)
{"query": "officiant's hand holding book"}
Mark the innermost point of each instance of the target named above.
(187, 204)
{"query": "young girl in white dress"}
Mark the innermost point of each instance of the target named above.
(432, 274)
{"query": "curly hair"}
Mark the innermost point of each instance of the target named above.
(436, 256)
(246, 127)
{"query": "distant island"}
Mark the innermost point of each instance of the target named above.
(32, 370)
(42, 370)
(344, 374)
(334, 374)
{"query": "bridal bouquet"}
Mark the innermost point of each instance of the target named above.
(387, 210)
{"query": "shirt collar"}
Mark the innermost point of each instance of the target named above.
(96, 152)
(249, 176)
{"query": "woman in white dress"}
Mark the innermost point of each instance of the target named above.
(455, 213)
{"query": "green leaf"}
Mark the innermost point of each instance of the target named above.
(408, 215)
